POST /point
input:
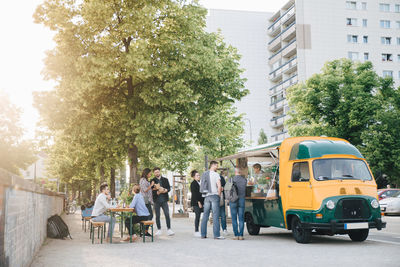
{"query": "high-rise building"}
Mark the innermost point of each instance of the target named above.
(304, 34)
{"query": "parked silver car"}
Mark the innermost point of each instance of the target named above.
(391, 205)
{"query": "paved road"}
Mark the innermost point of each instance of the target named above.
(273, 247)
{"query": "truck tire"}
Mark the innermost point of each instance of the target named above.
(300, 234)
(252, 228)
(359, 235)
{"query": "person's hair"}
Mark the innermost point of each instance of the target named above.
(145, 172)
(83, 207)
(156, 169)
(213, 162)
(103, 186)
(136, 189)
(193, 173)
(258, 166)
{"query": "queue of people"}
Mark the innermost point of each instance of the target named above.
(208, 196)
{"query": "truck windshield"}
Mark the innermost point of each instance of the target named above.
(340, 169)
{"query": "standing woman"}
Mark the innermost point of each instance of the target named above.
(145, 189)
(197, 200)
(237, 208)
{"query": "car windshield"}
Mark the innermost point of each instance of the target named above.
(397, 194)
(340, 169)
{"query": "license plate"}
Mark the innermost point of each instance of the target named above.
(349, 226)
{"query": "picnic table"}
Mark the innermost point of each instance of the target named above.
(113, 211)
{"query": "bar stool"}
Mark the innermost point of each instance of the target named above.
(143, 225)
(100, 226)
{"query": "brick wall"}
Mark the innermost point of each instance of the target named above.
(25, 208)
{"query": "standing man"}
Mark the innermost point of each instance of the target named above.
(100, 206)
(210, 186)
(161, 188)
(237, 208)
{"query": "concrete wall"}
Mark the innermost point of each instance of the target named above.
(25, 208)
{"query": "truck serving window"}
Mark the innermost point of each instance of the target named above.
(340, 169)
(300, 172)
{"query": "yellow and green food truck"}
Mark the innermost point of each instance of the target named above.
(311, 185)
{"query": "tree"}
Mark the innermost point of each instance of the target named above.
(349, 100)
(262, 139)
(163, 81)
(15, 153)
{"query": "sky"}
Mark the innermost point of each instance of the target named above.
(24, 43)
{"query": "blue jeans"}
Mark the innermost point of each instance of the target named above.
(237, 210)
(222, 215)
(211, 202)
(105, 218)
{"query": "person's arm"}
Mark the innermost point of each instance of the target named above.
(219, 187)
(103, 201)
(168, 187)
(133, 203)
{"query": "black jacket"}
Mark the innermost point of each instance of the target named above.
(164, 183)
(196, 195)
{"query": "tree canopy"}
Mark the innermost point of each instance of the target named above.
(137, 79)
(349, 100)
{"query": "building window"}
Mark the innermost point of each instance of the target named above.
(384, 7)
(365, 39)
(364, 5)
(351, 4)
(353, 55)
(385, 24)
(387, 73)
(387, 57)
(398, 40)
(351, 22)
(386, 40)
(366, 56)
(352, 39)
(365, 22)
(397, 8)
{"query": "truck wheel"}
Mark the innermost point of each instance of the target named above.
(300, 234)
(252, 228)
(359, 235)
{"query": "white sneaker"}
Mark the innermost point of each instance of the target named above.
(197, 234)
(158, 232)
(170, 232)
(225, 232)
(220, 237)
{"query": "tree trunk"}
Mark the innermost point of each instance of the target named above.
(133, 161)
(112, 182)
(102, 174)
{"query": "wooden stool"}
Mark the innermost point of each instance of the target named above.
(84, 220)
(143, 225)
(98, 225)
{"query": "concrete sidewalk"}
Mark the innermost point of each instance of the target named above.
(273, 247)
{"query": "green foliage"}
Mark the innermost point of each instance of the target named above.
(136, 78)
(262, 139)
(15, 153)
(349, 100)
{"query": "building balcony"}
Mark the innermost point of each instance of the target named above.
(275, 44)
(279, 136)
(290, 66)
(277, 105)
(277, 121)
(290, 49)
(276, 76)
(289, 16)
(289, 32)
(289, 81)
(275, 29)
(276, 88)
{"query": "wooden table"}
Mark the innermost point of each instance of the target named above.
(266, 198)
(121, 210)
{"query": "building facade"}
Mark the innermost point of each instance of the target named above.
(304, 34)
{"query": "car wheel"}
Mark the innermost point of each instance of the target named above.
(252, 228)
(300, 234)
(359, 235)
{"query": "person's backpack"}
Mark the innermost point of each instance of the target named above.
(57, 228)
(233, 193)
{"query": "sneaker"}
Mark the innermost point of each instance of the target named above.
(225, 232)
(170, 232)
(158, 232)
(197, 234)
(220, 237)
(241, 238)
(203, 237)
(235, 238)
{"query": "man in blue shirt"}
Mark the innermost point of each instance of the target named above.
(142, 213)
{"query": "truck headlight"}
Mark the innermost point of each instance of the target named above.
(330, 204)
(374, 204)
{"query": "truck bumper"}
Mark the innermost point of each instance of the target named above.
(336, 227)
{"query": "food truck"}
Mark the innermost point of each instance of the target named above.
(311, 185)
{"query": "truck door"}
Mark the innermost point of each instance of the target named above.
(300, 191)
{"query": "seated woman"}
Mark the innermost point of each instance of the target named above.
(142, 213)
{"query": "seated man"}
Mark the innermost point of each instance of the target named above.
(142, 213)
(100, 206)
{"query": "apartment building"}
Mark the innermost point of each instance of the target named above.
(304, 34)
